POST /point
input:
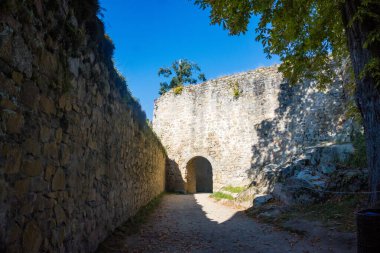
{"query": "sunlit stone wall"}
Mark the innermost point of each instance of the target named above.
(243, 121)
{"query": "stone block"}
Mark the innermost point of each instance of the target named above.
(32, 146)
(45, 134)
(59, 214)
(7, 104)
(17, 77)
(15, 123)
(32, 167)
(14, 233)
(21, 187)
(47, 105)
(49, 172)
(31, 238)
(58, 182)
(51, 150)
(13, 159)
(30, 94)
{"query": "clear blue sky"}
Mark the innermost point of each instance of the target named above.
(149, 34)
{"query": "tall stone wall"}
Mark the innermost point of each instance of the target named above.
(244, 121)
(76, 156)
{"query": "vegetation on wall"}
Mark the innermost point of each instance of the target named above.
(181, 72)
(235, 89)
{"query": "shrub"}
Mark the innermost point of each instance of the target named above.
(235, 89)
(178, 90)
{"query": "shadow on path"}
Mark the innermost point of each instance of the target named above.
(194, 223)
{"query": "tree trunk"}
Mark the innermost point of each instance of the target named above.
(367, 93)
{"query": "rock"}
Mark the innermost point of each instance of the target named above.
(22, 187)
(49, 172)
(17, 77)
(271, 213)
(7, 104)
(261, 200)
(30, 95)
(31, 238)
(44, 134)
(59, 214)
(73, 66)
(47, 105)
(335, 153)
(22, 57)
(15, 123)
(58, 182)
(327, 168)
(297, 191)
(32, 167)
(13, 161)
(307, 175)
(14, 233)
(32, 146)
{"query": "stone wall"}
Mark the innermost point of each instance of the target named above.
(76, 156)
(242, 122)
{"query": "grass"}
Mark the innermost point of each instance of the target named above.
(234, 189)
(130, 227)
(336, 213)
(221, 195)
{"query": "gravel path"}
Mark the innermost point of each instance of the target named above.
(195, 223)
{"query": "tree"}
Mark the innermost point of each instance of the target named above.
(183, 74)
(312, 37)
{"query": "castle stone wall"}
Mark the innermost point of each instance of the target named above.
(75, 161)
(244, 121)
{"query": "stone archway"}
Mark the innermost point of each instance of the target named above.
(199, 175)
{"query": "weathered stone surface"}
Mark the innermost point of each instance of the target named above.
(261, 200)
(75, 160)
(32, 167)
(32, 146)
(47, 105)
(21, 187)
(15, 123)
(59, 214)
(59, 181)
(17, 77)
(13, 159)
(268, 122)
(31, 238)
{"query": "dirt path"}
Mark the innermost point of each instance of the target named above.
(194, 223)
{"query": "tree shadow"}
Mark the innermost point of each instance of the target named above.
(193, 223)
(305, 117)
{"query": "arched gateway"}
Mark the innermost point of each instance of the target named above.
(199, 175)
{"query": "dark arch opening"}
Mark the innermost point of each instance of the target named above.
(199, 175)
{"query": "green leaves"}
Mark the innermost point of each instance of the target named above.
(183, 71)
(308, 35)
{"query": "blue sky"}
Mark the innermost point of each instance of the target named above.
(149, 34)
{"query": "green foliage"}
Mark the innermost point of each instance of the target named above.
(234, 189)
(221, 195)
(235, 89)
(178, 90)
(308, 35)
(359, 158)
(184, 71)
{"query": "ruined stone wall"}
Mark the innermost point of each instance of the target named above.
(76, 158)
(244, 121)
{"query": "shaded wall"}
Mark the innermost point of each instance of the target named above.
(76, 156)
